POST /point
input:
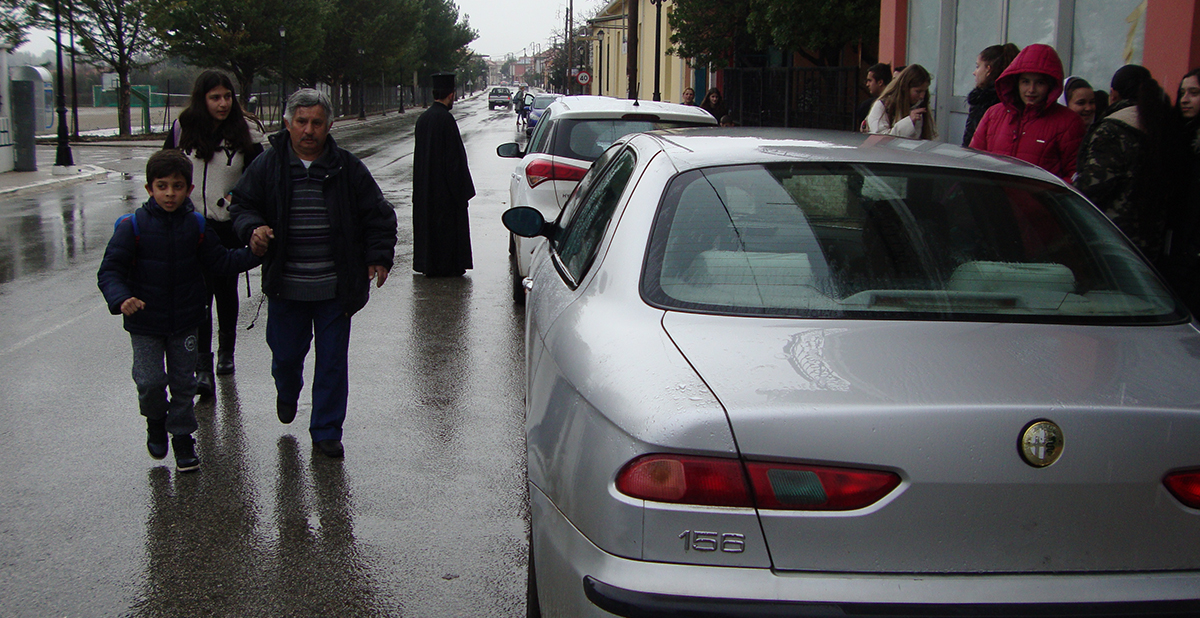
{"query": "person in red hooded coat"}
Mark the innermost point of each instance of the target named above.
(1029, 124)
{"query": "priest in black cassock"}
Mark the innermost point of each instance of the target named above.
(441, 188)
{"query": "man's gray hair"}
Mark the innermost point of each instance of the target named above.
(308, 97)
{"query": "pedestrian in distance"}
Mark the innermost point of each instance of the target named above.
(518, 105)
(1121, 163)
(714, 103)
(442, 188)
(1029, 124)
(328, 232)
(221, 140)
(878, 77)
(989, 64)
(902, 109)
(1183, 262)
(689, 96)
(152, 275)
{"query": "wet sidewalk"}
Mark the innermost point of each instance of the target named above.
(48, 176)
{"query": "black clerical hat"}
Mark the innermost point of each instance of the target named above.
(442, 81)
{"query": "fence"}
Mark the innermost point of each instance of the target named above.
(813, 98)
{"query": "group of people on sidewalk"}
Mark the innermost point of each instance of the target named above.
(305, 209)
(1129, 151)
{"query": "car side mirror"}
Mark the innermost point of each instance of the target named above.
(511, 150)
(525, 222)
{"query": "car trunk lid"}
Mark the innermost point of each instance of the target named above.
(944, 404)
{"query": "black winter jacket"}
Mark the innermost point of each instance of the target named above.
(362, 221)
(162, 268)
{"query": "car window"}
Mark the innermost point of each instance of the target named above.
(586, 139)
(583, 188)
(893, 242)
(580, 239)
(543, 102)
(539, 141)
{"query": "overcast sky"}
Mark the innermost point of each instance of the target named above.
(504, 26)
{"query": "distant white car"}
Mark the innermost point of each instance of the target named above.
(571, 133)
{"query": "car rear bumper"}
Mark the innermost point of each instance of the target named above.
(621, 602)
(576, 578)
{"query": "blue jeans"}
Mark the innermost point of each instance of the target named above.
(291, 325)
(152, 380)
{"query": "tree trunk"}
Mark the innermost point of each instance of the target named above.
(123, 124)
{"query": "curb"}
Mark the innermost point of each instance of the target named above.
(84, 174)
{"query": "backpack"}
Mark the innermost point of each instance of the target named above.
(137, 234)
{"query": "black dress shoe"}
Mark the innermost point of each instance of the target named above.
(331, 448)
(285, 411)
(224, 363)
(204, 384)
(156, 437)
(185, 453)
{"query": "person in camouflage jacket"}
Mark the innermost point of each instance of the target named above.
(1120, 162)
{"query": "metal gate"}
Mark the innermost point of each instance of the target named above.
(814, 98)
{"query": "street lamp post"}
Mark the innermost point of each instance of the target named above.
(62, 158)
(657, 45)
(362, 86)
(282, 72)
(599, 63)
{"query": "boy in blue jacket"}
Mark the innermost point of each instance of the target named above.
(151, 273)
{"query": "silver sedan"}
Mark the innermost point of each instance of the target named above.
(813, 373)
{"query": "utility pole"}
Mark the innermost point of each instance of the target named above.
(631, 68)
(570, 43)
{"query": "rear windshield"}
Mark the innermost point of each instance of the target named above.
(586, 139)
(543, 102)
(893, 242)
(504, 91)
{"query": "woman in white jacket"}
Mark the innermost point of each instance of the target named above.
(221, 140)
(903, 107)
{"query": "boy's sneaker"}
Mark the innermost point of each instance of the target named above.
(185, 453)
(156, 437)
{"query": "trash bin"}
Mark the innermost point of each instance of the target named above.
(32, 99)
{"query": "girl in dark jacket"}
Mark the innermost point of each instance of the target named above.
(990, 63)
(221, 141)
(714, 104)
(1121, 162)
(1029, 124)
(1183, 263)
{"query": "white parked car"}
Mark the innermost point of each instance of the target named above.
(572, 132)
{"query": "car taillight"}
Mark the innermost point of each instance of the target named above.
(818, 488)
(1185, 486)
(541, 170)
(707, 481)
(712, 481)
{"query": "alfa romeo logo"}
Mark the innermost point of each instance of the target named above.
(1041, 443)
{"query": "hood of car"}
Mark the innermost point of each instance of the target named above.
(945, 405)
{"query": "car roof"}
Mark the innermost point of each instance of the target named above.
(705, 147)
(590, 106)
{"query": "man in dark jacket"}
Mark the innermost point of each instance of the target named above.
(441, 189)
(328, 231)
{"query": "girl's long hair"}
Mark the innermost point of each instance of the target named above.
(895, 97)
(997, 58)
(197, 132)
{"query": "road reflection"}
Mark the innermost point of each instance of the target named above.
(202, 525)
(319, 570)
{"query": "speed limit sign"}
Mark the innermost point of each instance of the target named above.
(584, 78)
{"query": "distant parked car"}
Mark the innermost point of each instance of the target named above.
(814, 373)
(537, 108)
(572, 132)
(500, 97)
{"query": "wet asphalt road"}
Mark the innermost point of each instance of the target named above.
(426, 516)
